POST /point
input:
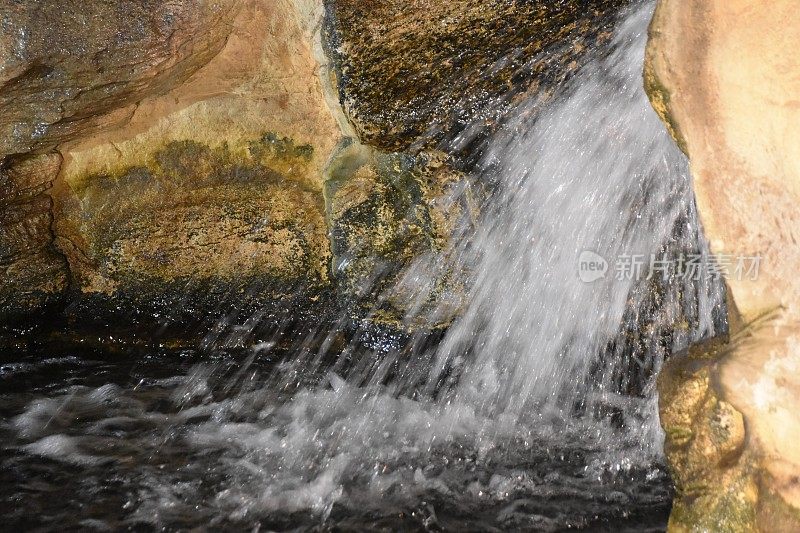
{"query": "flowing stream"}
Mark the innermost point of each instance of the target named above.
(536, 411)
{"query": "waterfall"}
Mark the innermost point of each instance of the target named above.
(594, 174)
(537, 410)
(537, 359)
(591, 172)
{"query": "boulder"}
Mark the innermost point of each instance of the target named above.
(416, 73)
(723, 76)
(194, 226)
(208, 198)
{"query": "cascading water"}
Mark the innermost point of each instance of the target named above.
(522, 418)
(595, 173)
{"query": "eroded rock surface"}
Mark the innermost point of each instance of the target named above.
(232, 222)
(33, 274)
(723, 75)
(66, 64)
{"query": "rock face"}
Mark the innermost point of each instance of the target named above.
(211, 194)
(198, 223)
(34, 274)
(418, 72)
(392, 219)
(68, 69)
(722, 73)
(64, 65)
(411, 76)
(169, 160)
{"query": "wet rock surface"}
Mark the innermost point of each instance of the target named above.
(193, 188)
(66, 64)
(417, 73)
(69, 69)
(200, 160)
(234, 222)
(705, 442)
(392, 217)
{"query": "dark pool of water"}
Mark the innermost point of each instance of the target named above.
(164, 441)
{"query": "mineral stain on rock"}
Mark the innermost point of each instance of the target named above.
(228, 219)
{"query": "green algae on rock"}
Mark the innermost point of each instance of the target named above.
(705, 441)
(387, 213)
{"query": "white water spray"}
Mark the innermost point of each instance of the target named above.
(594, 172)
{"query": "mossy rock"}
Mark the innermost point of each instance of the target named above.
(713, 470)
(198, 226)
(392, 216)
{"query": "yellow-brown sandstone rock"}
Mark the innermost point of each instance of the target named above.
(724, 76)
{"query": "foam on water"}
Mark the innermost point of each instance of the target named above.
(521, 419)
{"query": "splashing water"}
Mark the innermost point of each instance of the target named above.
(523, 416)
